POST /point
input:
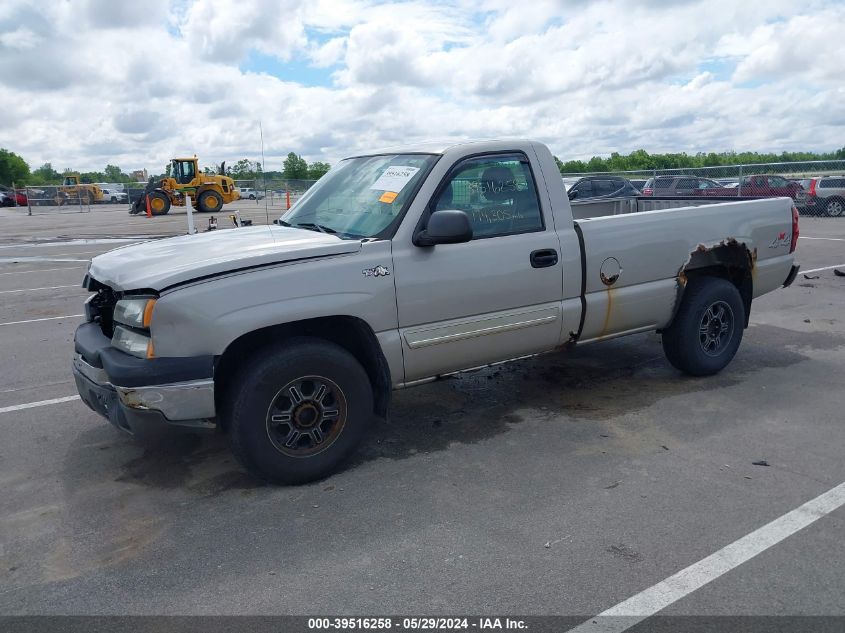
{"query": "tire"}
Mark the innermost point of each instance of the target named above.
(159, 203)
(264, 441)
(834, 207)
(714, 304)
(210, 201)
(251, 196)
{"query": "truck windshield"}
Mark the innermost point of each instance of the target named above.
(360, 197)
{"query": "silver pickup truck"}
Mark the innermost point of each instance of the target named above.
(399, 267)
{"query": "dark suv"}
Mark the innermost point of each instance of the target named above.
(602, 187)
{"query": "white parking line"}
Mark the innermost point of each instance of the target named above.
(36, 260)
(40, 403)
(3, 292)
(656, 598)
(43, 270)
(79, 242)
(67, 316)
(831, 239)
(815, 270)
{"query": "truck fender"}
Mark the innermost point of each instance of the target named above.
(351, 333)
(729, 259)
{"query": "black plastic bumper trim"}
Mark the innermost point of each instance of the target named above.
(88, 341)
(791, 276)
(129, 371)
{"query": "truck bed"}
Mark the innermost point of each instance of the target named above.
(584, 209)
(653, 239)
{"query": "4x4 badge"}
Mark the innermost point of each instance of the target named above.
(376, 271)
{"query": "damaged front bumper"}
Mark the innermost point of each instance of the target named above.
(117, 389)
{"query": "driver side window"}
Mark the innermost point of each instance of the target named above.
(496, 192)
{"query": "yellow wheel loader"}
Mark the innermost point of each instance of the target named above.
(208, 192)
(71, 191)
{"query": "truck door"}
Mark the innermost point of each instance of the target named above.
(494, 298)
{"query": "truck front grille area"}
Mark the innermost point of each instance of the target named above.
(100, 307)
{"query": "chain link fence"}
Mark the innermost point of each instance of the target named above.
(279, 194)
(49, 199)
(818, 187)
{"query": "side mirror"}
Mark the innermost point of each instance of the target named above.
(573, 195)
(447, 226)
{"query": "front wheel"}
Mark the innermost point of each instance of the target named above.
(707, 329)
(296, 410)
(159, 203)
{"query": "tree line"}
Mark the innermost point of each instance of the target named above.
(641, 160)
(14, 169)
(294, 167)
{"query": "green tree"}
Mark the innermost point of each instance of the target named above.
(13, 168)
(641, 160)
(244, 169)
(317, 170)
(295, 167)
(113, 173)
(45, 175)
(89, 177)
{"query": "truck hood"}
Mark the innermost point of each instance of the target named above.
(158, 264)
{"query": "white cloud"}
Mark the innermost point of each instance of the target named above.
(99, 82)
(226, 31)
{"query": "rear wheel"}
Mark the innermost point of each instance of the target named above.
(834, 207)
(707, 329)
(297, 410)
(159, 203)
(210, 201)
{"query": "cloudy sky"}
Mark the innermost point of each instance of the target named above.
(90, 82)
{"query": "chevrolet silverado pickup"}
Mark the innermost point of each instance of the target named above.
(399, 267)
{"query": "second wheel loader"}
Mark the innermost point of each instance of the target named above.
(208, 192)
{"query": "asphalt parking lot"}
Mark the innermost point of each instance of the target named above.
(564, 484)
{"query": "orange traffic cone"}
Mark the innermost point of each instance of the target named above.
(149, 213)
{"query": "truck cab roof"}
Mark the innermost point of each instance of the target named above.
(443, 147)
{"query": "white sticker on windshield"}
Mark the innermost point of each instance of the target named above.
(394, 178)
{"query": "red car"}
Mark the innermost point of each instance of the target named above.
(9, 198)
(763, 186)
(771, 187)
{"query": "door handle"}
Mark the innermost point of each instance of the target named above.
(543, 258)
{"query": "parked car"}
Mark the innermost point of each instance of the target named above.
(251, 194)
(398, 268)
(11, 198)
(602, 187)
(827, 195)
(683, 186)
(759, 186)
(769, 186)
(114, 196)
